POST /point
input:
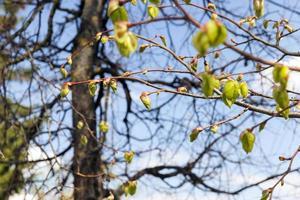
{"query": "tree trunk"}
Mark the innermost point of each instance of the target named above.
(86, 162)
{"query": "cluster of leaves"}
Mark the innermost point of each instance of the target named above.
(280, 95)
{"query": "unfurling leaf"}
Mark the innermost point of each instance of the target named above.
(265, 195)
(63, 72)
(259, 7)
(146, 100)
(244, 89)
(211, 6)
(143, 47)
(127, 44)
(83, 140)
(281, 75)
(262, 126)
(288, 28)
(194, 64)
(130, 188)
(182, 89)
(64, 91)
(113, 85)
(92, 88)
(230, 92)
(69, 60)
(133, 2)
(266, 23)
(248, 139)
(155, 1)
(194, 134)
(209, 83)
(116, 12)
(163, 39)
(187, 1)
(103, 126)
(128, 156)
(201, 43)
(80, 125)
(214, 128)
(281, 97)
(153, 11)
(112, 6)
(216, 32)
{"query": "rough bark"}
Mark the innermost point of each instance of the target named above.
(87, 160)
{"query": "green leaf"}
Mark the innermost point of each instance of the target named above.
(128, 156)
(63, 72)
(163, 39)
(216, 32)
(130, 188)
(281, 74)
(262, 126)
(155, 1)
(248, 139)
(214, 128)
(230, 92)
(259, 7)
(266, 23)
(133, 2)
(146, 100)
(112, 6)
(265, 195)
(120, 14)
(200, 42)
(244, 89)
(209, 83)
(83, 140)
(127, 44)
(64, 91)
(80, 125)
(92, 88)
(104, 126)
(153, 11)
(113, 85)
(281, 97)
(194, 134)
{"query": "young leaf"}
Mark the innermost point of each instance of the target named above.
(265, 195)
(281, 74)
(230, 92)
(155, 1)
(216, 32)
(113, 85)
(262, 126)
(64, 91)
(214, 128)
(80, 125)
(83, 140)
(201, 43)
(119, 14)
(64, 72)
(92, 88)
(209, 83)
(127, 44)
(163, 39)
(103, 126)
(194, 134)
(244, 89)
(146, 100)
(259, 7)
(153, 11)
(248, 139)
(128, 156)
